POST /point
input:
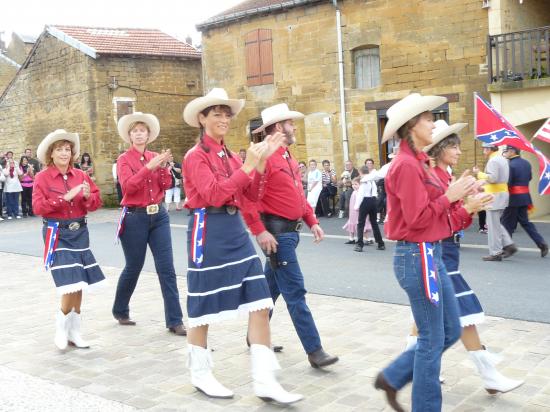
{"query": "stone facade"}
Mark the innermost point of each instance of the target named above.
(88, 89)
(18, 49)
(417, 52)
(8, 69)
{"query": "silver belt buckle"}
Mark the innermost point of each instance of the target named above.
(152, 209)
(299, 226)
(74, 226)
(231, 210)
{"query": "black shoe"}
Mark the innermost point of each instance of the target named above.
(369, 242)
(509, 250)
(381, 246)
(358, 248)
(320, 358)
(350, 242)
(391, 394)
(492, 258)
(543, 249)
(178, 330)
(126, 321)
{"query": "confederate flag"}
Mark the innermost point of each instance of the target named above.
(544, 132)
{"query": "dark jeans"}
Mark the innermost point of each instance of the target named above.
(514, 215)
(26, 201)
(324, 199)
(12, 204)
(482, 216)
(140, 230)
(368, 207)
(1, 201)
(288, 280)
(343, 202)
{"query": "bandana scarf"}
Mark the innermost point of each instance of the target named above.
(120, 226)
(50, 244)
(429, 273)
(197, 237)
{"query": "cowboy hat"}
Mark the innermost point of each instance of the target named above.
(215, 97)
(56, 136)
(150, 120)
(275, 114)
(442, 130)
(407, 108)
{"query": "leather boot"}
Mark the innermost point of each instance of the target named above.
(509, 250)
(200, 364)
(493, 380)
(61, 330)
(320, 358)
(266, 387)
(73, 335)
(391, 394)
(543, 249)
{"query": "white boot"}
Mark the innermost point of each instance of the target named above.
(493, 380)
(74, 331)
(200, 364)
(61, 330)
(266, 387)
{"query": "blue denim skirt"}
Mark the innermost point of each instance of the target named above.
(230, 281)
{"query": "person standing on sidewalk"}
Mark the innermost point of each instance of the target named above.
(144, 176)
(225, 277)
(497, 172)
(63, 196)
(520, 199)
(367, 202)
(419, 210)
(282, 207)
(12, 186)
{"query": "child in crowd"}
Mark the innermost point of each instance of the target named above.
(353, 216)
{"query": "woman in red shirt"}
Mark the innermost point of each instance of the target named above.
(420, 215)
(63, 196)
(225, 276)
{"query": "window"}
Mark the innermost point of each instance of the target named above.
(259, 57)
(123, 106)
(367, 67)
(253, 125)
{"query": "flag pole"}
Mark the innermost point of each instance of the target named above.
(475, 130)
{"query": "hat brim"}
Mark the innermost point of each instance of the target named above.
(56, 136)
(442, 134)
(290, 115)
(149, 119)
(421, 105)
(195, 106)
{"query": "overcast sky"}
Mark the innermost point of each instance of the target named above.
(175, 17)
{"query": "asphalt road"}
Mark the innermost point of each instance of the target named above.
(516, 288)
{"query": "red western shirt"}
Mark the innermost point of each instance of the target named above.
(50, 187)
(281, 193)
(460, 218)
(418, 210)
(210, 181)
(141, 186)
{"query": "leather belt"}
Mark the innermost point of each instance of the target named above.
(277, 224)
(149, 209)
(228, 209)
(72, 225)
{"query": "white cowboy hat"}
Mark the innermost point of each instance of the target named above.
(407, 108)
(56, 136)
(442, 130)
(215, 97)
(149, 119)
(275, 114)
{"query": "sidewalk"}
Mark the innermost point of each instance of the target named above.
(143, 367)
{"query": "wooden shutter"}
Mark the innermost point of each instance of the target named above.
(259, 57)
(124, 107)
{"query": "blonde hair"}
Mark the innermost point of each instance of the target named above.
(134, 124)
(55, 145)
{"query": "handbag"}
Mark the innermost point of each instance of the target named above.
(332, 190)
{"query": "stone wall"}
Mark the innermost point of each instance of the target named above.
(417, 52)
(18, 50)
(7, 71)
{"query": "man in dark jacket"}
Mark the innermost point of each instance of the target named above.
(520, 199)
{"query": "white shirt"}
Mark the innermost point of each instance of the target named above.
(366, 189)
(12, 183)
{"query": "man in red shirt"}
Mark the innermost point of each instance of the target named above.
(276, 224)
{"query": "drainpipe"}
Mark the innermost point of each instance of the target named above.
(341, 79)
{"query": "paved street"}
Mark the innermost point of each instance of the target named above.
(143, 367)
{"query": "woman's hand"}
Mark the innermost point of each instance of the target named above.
(85, 189)
(159, 160)
(70, 195)
(463, 186)
(273, 142)
(481, 201)
(253, 156)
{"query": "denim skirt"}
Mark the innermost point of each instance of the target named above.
(74, 266)
(230, 281)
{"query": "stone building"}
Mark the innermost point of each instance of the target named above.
(83, 79)
(12, 56)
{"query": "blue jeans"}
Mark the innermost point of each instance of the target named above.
(288, 280)
(140, 230)
(12, 204)
(438, 329)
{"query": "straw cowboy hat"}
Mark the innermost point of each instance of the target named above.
(149, 119)
(442, 130)
(215, 97)
(275, 114)
(56, 136)
(407, 108)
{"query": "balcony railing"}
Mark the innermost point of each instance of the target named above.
(520, 55)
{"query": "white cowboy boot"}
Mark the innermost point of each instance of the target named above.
(266, 387)
(200, 364)
(74, 331)
(493, 380)
(61, 330)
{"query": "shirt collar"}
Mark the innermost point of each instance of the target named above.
(213, 144)
(135, 152)
(54, 171)
(493, 155)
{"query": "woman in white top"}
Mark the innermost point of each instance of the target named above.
(314, 184)
(12, 186)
